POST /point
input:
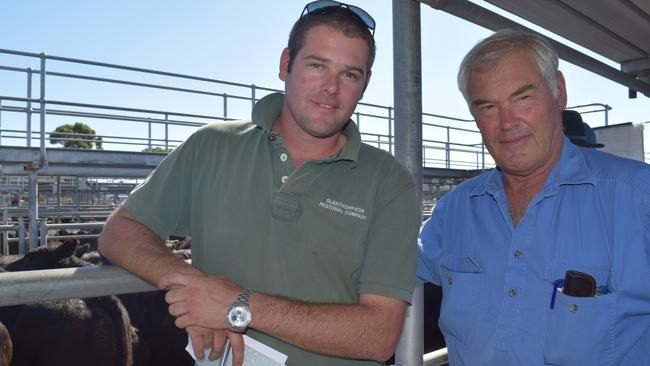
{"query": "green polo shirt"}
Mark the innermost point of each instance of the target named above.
(323, 232)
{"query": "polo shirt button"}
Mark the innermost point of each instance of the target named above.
(512, 293)
(518, 254)
(573, 308)
(284, 179)
(283, 157)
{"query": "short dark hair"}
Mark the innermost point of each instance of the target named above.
(338, 18)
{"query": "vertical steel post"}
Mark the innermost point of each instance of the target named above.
(390, 123)
(149, 139)
(58, 191)
(407, 71)
(29, 108)
(33, 209)
(43, 227)
(166, 132)
(21, 236)
(253, 89)
(448, 150)
(43, 162)
(5, 234)
(225, 106)
(357, 116)
(77, 199)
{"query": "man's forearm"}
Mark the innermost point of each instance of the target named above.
(369, 330)
(131, 245)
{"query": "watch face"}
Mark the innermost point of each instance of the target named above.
(239, 316)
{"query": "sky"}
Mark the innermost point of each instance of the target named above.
(240, 41)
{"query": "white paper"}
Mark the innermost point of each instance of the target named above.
(255, 354)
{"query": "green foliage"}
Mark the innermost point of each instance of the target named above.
(157, 149)
(77, 136)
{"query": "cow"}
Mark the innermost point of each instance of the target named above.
(93, 331)
(6, 347)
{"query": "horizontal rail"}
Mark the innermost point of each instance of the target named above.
(436, 358)
(56, 284)
(81, 225)
(29, 287)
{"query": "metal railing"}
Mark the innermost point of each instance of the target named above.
(56, 284)
(376, 122)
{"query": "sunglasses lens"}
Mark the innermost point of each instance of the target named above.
(363, 15)
(327, 4)
(323, 4)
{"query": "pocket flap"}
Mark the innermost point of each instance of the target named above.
(461, 265)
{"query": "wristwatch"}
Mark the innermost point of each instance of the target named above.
(238, 315)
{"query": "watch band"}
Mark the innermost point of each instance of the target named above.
(243, 296)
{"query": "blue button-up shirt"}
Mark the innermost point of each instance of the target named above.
(593, 216)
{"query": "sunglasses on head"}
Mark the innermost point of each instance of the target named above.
(322, 6)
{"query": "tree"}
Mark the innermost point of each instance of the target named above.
(77, 136)
(157, 149)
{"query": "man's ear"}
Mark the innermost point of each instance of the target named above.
(284, 64)
(561, 99)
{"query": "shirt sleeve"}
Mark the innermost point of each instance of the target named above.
(389, 262)
(163, 201)
(429, 247)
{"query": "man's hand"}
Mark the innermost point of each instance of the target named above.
(204, 337)
(197, 300)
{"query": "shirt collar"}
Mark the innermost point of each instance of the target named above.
(268, 109)
(571, 168)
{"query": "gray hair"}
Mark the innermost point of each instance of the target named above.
(500, 45)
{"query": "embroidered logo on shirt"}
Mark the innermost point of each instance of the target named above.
(344, 209)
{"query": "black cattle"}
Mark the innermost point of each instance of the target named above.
(163, 342)
(54, 255)
(6, 347)
(94, 331)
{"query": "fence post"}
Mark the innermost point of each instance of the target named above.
(4, 248)
(43, 101)
(33, 209)
(21, 236)
(391, 136)
(225, 106)
(29, 107)
(448, 150)
(149, 137)
(166, 132)
(43, 225)
(252, 96)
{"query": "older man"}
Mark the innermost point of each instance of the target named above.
(544, 260)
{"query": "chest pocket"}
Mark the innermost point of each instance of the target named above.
(463, 279)
(580, 329)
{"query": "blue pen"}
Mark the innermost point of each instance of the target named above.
(558, 284)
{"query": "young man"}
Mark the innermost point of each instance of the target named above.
(501, 244)
(291, 206)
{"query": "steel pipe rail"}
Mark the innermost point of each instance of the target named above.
(28, 287)
(436, 358)
(81, 225)
(56, 284)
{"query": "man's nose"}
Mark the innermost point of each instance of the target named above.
(330, 84)
(506, 118)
